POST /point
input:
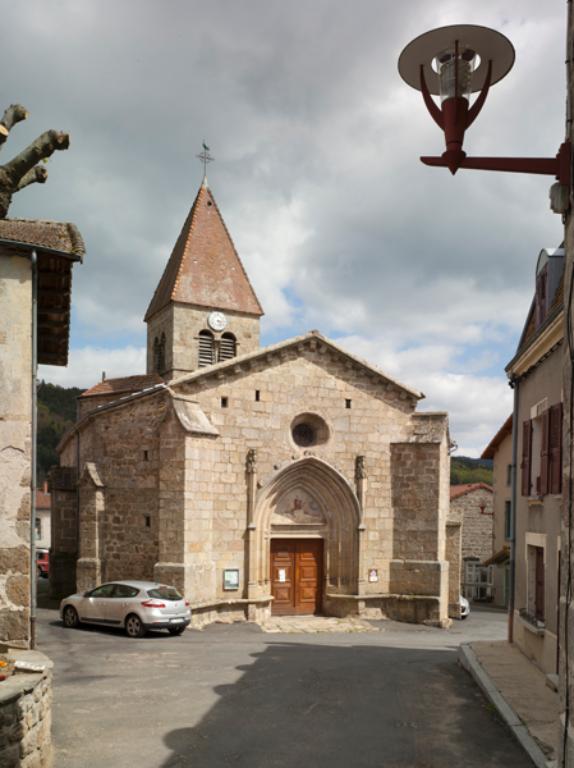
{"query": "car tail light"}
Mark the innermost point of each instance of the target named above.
(187, 603)
(152, 604)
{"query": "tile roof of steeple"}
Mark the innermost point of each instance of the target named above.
(204, 268)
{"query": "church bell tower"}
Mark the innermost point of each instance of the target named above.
(204, 309)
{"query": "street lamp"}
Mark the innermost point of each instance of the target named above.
(453, 62)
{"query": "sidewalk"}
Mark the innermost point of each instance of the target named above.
(519, 692)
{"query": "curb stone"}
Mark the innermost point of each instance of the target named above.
(469, 661)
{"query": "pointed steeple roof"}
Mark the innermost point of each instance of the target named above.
(204, 268)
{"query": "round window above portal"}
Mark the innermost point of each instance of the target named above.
(308, 430)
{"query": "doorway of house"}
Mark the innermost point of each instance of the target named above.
(296, 576)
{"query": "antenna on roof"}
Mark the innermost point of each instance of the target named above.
(205, 158)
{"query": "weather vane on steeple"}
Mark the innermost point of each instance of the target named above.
(205, 158)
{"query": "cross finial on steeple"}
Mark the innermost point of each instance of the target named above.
(205, 158)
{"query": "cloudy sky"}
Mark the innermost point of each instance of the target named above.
(316, 140)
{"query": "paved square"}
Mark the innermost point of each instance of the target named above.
(232, 695)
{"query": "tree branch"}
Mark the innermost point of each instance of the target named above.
(37, 175)
(44, 146)
(14, 114)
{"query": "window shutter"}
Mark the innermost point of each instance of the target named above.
(545, 453)
(206, 349)
(525, 464)
(555, 449)
(227, 346)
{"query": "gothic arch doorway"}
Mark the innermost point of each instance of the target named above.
(310, 510)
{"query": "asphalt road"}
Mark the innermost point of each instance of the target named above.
(235, 696)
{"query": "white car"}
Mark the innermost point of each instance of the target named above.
(464, 607)
(137, 606)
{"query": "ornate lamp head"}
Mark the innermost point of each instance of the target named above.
(454, 62)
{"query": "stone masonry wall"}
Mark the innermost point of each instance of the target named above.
(15, 447)
(26, 718)
(297, 382)
(415, 497)
(182, 323)
(477, 526)
(124, 446)
(194, 486)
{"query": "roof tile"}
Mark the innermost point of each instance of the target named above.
(460, 490)
(52, 235)
(204, 267)
(123, 385)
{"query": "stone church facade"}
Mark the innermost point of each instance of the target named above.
(289, 479)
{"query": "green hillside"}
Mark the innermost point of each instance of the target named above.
(56, 414)
(466, 470)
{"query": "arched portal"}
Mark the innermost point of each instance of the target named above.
(308, 500)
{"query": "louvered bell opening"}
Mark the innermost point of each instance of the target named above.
(205, 349)
(227, 346)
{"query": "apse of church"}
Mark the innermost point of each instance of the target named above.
(294, 478)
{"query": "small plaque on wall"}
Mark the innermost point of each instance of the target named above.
(231, 578)
(373, 574)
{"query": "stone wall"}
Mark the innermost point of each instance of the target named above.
(202, 503)
(25, 716)
(113, 529)
(415, 499)
(453, 555)
(15, 447)
(475, 511)
(297, 381)
(182, 323)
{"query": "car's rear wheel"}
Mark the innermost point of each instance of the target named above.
(134, 626)
(176, 630)
(70, 617)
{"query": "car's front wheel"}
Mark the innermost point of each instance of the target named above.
(134, 626)
(70, 617)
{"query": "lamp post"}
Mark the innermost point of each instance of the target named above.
(454, 62)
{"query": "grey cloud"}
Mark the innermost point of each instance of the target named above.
(303, 106)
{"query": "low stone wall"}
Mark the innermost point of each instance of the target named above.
(229, 612)
(26, 715)
(413, 609)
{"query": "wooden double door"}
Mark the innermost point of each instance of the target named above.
(296, 576)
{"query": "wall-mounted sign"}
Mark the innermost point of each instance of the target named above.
(231, 578)
(373, 574)
(282, 574)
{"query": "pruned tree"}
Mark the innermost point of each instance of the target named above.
(24, 169)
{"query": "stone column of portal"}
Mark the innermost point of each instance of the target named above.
(90, 511)
(361, 484)
(252, 560)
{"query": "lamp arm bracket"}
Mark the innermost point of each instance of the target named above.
(474, 111)
(434, 111)
(558, 166)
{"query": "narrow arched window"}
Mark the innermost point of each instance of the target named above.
(227, 346)
(156, 354)
(161, 355)
(206, 348)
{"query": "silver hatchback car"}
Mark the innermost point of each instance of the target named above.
(137, 606)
